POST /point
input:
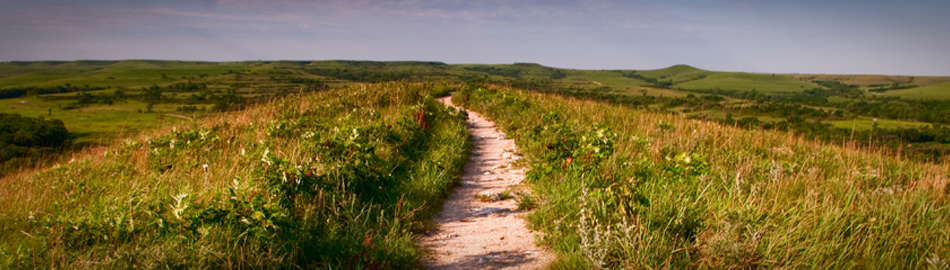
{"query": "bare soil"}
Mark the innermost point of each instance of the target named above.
(477, 228)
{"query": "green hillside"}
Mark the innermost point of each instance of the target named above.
(99, 100)
(936, 91)
(677, 73)
(129, 73)
(627, 189)
(338, 164)
(337, 179)
(689, 78)
(747, 81)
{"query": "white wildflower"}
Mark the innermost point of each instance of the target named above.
(265, 159)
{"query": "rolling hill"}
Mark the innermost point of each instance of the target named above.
(335, 164)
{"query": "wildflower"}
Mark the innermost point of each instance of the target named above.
(265, 159)
(205, 166)
(180, 205)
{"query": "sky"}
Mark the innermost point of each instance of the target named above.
(777, 36)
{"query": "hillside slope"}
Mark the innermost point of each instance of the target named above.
(625, 188)
(939, 91)
(335, 179)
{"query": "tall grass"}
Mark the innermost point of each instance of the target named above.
(337, 179)
(624, 188)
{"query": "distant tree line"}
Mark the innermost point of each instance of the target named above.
(17, 92)
(505, 71)
(362, 75)
(930, 111)
(652, 82)
(219, 100)
(925, 143)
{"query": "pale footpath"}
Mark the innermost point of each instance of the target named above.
(485, 233)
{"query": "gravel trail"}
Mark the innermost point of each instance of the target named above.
(485, 233)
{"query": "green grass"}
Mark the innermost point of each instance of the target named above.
(129, 73)
(677, 73)
(624, 188)
(99, 123)
(690, 78)
(614, 187)
(765, 83)
(870, 80)
(936, 91)
(337, 179)
(865, 123)
(615, 80)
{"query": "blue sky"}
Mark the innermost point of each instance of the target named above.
(843, 37)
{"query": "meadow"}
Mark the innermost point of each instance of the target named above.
(101, 100)
(335, 179)
(130, 113)
(335, 164)
(936, 91)
(628, 189)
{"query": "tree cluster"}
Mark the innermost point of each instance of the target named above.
(652, 82)
(505, 71)
(24, 140)
(16, 92)
(362, 75)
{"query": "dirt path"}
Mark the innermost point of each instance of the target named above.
(480, 234)
(179, 116)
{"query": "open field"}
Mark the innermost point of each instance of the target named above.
(95, 124)
(869, 80)
(935, 91)
(132, 114)
(747, 82)
(622, 188)
(864, 124)
(335, 179)
(332, 164)
(120, 104)
(129, 73)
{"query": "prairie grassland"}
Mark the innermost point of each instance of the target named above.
(623, 188)
(95, 124)
(98, 123)
(868, 124)
(869, 80)
(330, 180)
(676, 73)
(764, 83)
(940, 91)
(128, 73)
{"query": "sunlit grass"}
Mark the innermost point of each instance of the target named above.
(676, 193)
(335, 179)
